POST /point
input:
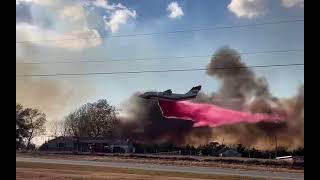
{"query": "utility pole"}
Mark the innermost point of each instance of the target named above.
(276, 148)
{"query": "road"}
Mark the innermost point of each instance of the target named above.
(156, 167)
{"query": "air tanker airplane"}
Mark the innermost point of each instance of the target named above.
(169, 96)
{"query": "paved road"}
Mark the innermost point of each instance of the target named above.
(155, 167)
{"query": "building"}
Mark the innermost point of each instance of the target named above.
(230, 153)
(89, 144)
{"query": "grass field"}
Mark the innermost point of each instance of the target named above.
(41, 171)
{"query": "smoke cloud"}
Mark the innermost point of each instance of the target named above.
(240, 90)
(144, 123)
(54, 97)
(239, 83)
(254, 95)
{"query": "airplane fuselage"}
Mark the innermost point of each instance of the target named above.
(172, 97)
(169, 96)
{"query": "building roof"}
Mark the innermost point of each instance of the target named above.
(229, 151)
(93, 140)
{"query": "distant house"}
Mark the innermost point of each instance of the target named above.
(89, 144)
(230, 153)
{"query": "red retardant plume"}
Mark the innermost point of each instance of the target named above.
(211, 115)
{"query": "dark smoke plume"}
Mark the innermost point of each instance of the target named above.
(237, 82)
(253, 95)
(240, 90)
(145, 123)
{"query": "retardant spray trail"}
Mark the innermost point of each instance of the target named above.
(211, 115)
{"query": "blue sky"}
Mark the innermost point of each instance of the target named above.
(48, 19)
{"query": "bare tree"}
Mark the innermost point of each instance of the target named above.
(35, 121)
(72, 125)
(57, 128)
(21, 126)
(29, 124)
(96, 119)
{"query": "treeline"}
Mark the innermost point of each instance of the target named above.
(214, 149)
(99, 119)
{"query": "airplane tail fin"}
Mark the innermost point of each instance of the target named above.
(195, 89)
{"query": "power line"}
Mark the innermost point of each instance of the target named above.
(157, 71)
(169, 32)
(157, 58)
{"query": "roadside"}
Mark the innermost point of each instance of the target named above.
(168, 168)
(27, 170)
(187, 161)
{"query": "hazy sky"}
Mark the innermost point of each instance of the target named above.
(70, 19)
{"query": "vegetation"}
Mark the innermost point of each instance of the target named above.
(29, 124)
(99, 119)
(96, 119)
(214, 149)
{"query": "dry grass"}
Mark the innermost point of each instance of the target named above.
(27, 170)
